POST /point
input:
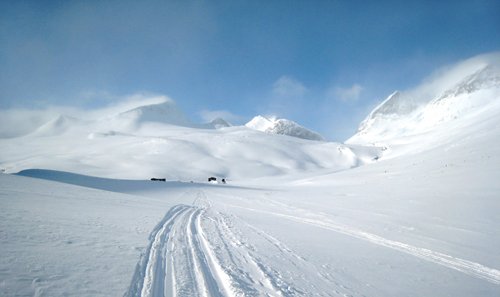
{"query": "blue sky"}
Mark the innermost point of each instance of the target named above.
(324, 64)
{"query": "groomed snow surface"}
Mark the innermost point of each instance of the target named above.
(414, 211)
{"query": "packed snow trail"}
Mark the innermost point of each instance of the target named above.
(178, 261)
(196, 250)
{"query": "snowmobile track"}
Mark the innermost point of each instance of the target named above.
(178, 261)
(465, 266)
(198, 251)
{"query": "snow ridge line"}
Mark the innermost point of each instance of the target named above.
(465, 266)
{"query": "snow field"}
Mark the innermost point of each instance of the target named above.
(411, 210)
(62, 240)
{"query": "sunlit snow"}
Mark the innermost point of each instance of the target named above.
(409, 206)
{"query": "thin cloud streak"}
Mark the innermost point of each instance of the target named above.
(287, 86)
(349, 94)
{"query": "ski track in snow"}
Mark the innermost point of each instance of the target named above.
(198, 251)
(465, 266)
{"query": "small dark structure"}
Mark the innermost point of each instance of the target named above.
(158, 179)
(223, 180)
(212, 179)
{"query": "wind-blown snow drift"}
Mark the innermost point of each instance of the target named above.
(166, 112)
(449, 99)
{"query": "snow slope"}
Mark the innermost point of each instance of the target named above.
(62, 240)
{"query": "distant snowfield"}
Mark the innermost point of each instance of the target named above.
(417, 214)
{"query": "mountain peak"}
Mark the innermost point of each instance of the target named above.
(260, 123)
(396, 103)
(274, 125)
(461, 91)
(218, 123)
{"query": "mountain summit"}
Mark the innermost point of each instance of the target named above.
(273, 125)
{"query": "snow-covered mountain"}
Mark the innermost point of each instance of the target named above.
(461, 95)
(216, 123)
(158, 140)
(274, 125)
(427, 221)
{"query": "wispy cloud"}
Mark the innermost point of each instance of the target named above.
(348, 94)
(287, 86)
